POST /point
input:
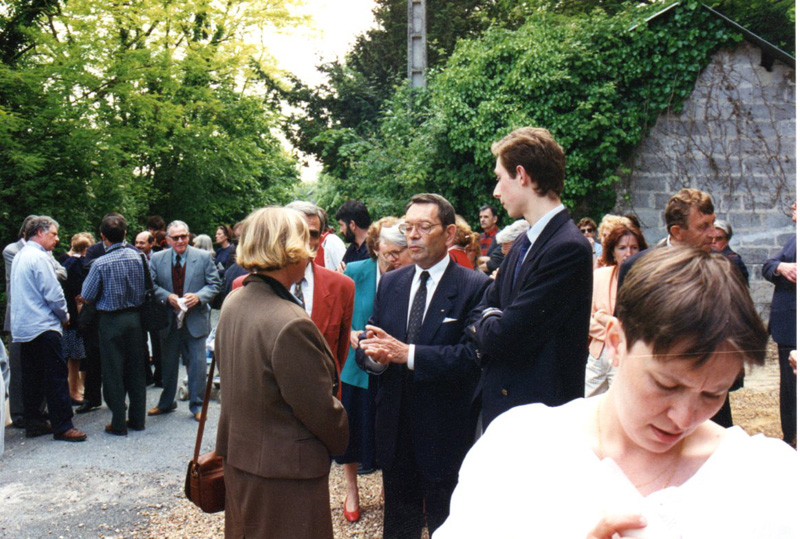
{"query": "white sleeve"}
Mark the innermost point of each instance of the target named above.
(334, 251)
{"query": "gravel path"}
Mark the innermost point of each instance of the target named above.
(133, 487)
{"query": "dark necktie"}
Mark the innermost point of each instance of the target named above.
(523, 250)
(417, 309)
(298, 293)
(178, 262)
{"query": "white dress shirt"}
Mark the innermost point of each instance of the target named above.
(435, 274)
(307, 287)
(536, 228)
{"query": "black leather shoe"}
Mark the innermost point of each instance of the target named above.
(86, 407)
(116, 432)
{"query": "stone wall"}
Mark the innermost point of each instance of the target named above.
(735, 139)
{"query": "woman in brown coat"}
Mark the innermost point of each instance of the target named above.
(279, 420)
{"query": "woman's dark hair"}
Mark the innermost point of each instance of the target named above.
(614, 237)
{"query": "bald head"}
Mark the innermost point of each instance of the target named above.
(144, 242)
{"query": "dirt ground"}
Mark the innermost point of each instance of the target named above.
(755, 408)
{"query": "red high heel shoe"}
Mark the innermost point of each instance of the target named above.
(351, 516)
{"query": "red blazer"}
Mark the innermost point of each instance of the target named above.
(332, 310)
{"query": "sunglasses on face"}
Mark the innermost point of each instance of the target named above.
(180, 237)
(587, 230)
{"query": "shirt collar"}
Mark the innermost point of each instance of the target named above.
(435, 272)
(183, 256)
(536, 229)
(309, 274)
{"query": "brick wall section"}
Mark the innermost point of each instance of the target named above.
(734, 138)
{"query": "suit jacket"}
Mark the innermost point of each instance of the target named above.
(332, 310)
(435, 398)
(783, 311)
(279, 418)
(536, 350)
(201, 278)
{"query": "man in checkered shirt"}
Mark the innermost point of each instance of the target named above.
(116, 283)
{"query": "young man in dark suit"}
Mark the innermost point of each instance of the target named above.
(424, 421)
(532, 327)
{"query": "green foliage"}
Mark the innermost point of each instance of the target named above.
(593, 82)
(773, 20)
(138, 107)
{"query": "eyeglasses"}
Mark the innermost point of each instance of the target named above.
(587, 230)
(180, 237)
(394, 255)
(423, 227)
(315, 234)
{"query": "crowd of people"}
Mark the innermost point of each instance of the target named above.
(405, 348)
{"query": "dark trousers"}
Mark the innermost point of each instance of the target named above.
(788, 394)
(44, 374)
(412, 500)
(15, 400)
(155, 342)
(122, 353)
(94, 371)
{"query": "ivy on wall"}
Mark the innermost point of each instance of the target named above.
(597, 82)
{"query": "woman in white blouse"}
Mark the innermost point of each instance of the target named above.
(643, 459)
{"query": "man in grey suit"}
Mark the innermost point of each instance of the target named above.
(187, 280)
(15, 385)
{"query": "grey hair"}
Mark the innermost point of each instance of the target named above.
(392, 234)
(176, 224)
(24, 225)
(203, 242)
(37, 223)
(725, 227)
(309, 210)
(512, 231)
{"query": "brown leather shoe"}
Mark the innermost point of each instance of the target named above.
(158, 411)
(71, 435)
(197, 416)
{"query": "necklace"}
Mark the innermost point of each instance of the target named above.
(671, 467)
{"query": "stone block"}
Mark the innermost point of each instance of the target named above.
(758, 202)
(653, 163)
(745, 219)
(727, 203)
(783, 238)
(754, 255)
(660, 200)
(773, 220)
(647, 182)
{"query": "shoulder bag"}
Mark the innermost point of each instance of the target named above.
(205, 482)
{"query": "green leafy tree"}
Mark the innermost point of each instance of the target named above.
(595, 82)
(139, 107)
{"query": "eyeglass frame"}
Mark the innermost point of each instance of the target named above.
(180, 237)
(407, 228)
(394, 255)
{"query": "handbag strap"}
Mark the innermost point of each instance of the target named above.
(204, 411)
(148, 280)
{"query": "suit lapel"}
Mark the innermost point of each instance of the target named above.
(191, 268)
(441, 302)
(398, 301)
(323, 299)
(555, 223)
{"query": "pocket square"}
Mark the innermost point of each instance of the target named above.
(446, 320)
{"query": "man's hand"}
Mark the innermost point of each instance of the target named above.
(616, 524)
(191, 300)
(383, 348)
(173, 300)
(354, 339)
(793, 360)
(788, 270)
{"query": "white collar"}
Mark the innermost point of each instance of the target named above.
(435, 272)
(536, 228)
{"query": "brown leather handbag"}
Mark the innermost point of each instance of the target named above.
(205, 482)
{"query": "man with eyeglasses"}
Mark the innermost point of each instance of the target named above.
(186, 279)
(38, 314)
(327, 296)
(424, 418)
(532, 325)
(588, 228)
